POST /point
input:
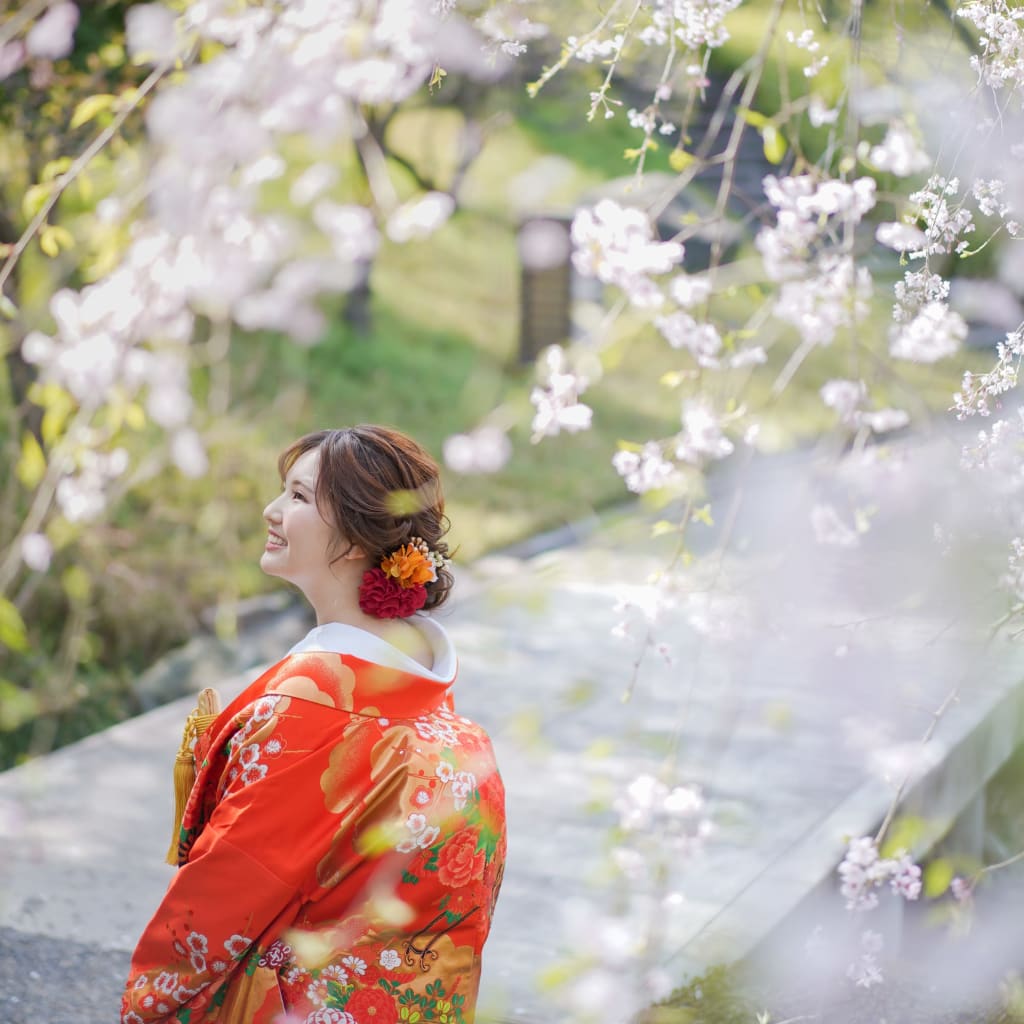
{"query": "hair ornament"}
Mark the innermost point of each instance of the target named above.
(397, 587)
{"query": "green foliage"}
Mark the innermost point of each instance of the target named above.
(716, 997)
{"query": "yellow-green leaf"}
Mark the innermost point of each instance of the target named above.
(937, 876)
(32, 464)
(752, 117)
(90, 107)
(905, 834)
(13, 634)
(437, 78)
(663, 526)
(8, 310)
(134, 416)
(703, 515)
(49, 241)
(76, 583)
(679, 159)
(775, 144)
(33, 199)
(55, 168)
(17, 706)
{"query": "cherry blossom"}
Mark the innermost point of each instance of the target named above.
(53, 35)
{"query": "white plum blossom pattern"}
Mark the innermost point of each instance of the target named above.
(237, 946)
(440, 732)
(423, 834)
(389, 959)
(463, 786)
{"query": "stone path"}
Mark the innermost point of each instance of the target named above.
(801, 679)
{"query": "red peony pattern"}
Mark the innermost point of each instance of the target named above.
(459, 861)
(372, 1006)
(383, 597)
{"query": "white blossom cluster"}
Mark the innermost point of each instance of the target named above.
(694, 23)
(807, 214)
(1001, 61)
(836, 296)
(925, 329)
(944, 225)
(1013, 579)
(805, 41)
(864, 871)
(50, 38)
(848, 397)
(507, 31)
(645, 470)
(898, 153)
(822, 289)
(978, 389)
(865, 971)
(675, 816)
(616, 244)
(556, 401)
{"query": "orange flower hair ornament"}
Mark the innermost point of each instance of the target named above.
(398, 587)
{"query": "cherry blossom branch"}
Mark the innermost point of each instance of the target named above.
(79, 165)
(951, 699)
(13, 25)
(569, 52)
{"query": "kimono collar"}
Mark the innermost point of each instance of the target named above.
(339, 638)
(352, 670)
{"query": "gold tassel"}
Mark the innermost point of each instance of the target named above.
(198, 721)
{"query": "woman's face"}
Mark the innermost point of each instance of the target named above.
(299, 539)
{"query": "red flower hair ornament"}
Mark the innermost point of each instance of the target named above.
(397, 588)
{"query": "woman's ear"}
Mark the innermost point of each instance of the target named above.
(354, 552)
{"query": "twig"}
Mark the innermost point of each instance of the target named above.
(953, 697)
(81, 162)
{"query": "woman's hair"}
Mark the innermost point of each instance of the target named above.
(381, 488)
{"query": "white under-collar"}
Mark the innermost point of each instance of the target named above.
(339, 638)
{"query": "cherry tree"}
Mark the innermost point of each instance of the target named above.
(179, 254)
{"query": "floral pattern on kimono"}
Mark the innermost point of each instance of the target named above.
(340, 856)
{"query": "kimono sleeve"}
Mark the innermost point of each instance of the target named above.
(248, 869)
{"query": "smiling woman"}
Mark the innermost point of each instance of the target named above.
(343, 845)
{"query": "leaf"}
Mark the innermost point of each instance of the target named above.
(34, 198)
(8, 310)
(663, 526)
(703, 515)
(752, 117)
(76, 583)
(775, 144)
(48, 242)
(13, 634)
(55, 168)
(679, 159)
(32, 465)
(905, 834)
(17, 706)
(937, 876)
(90, 107)
(437, 77)
(53, 238)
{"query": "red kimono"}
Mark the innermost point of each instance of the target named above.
(340, 854)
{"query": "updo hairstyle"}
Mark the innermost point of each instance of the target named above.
(380, 489)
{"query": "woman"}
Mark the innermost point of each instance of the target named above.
(343, 845)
